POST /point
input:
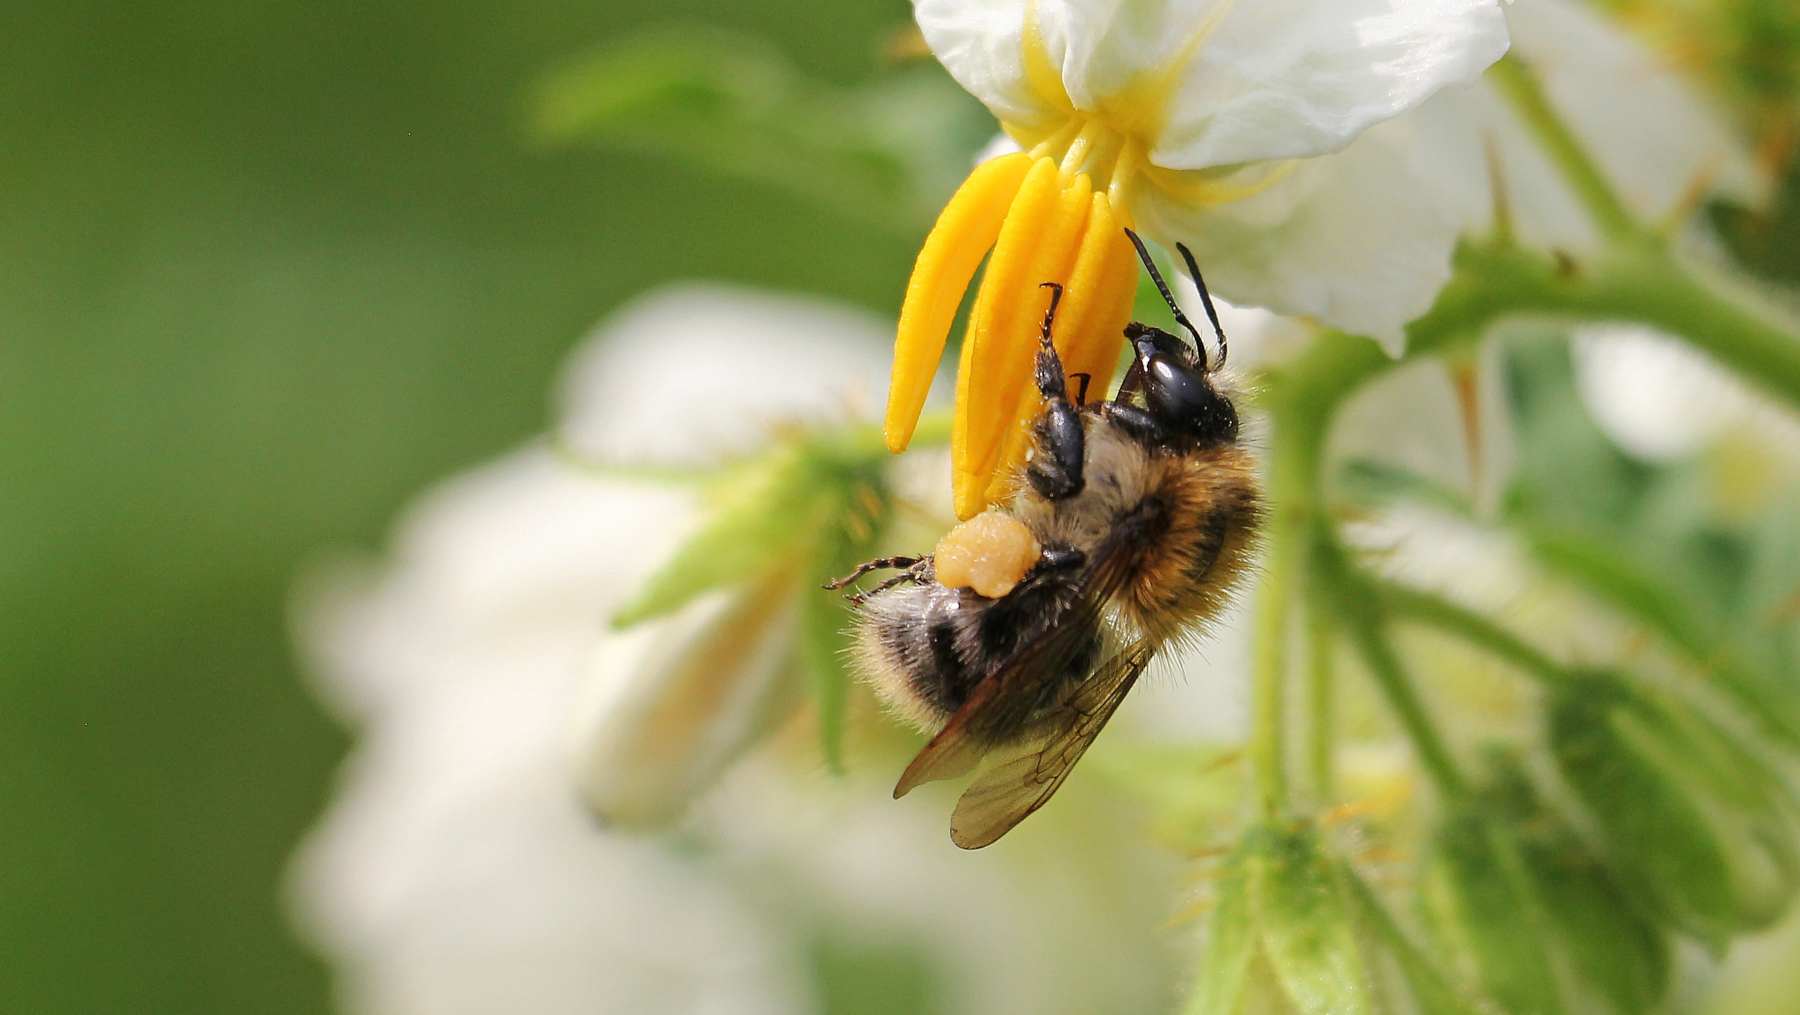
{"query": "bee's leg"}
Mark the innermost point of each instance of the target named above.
(1137, 423)
(878, 564)
(909, 575)
(1057, 473)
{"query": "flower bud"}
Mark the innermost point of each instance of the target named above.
(1613, 950)
(672, 702)
(1698, 826)
(1284, 927)
(1478, 905)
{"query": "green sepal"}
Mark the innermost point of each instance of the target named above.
(1281, 901)
(750, 527)
(1478, 905)
(1231, 939)
(1652, 828)
(1431, 989)
(1308, 932)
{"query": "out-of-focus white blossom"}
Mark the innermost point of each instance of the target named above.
(1662, 400)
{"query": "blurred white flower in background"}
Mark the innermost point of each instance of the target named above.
(460, 867)
(1661, 400)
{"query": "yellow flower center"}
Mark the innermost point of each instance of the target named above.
(1055, 212)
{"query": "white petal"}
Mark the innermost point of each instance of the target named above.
(1652, 135)
(693, 373)
(1298, 78)
(980, 42)
(518, 560)
(670, 704)
(1259, 80)
(1360, 240)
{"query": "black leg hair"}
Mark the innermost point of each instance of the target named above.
(859, 598)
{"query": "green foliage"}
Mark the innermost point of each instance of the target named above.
(1698, 827)
(1479, 908)
(884, 152)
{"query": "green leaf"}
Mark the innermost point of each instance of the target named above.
(731, 104)
(1604, 936)
(1477, 905)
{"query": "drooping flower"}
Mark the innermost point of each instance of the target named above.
(1194, 121)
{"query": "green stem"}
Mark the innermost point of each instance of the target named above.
(1427, 608)
(1366, 625)
(1321, 697)
(1292, 477)
(1629, 281)
(1515, 80)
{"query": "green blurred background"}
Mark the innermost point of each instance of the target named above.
(268, 268)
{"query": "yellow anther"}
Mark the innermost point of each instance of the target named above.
(1034, 246)
(965, 230)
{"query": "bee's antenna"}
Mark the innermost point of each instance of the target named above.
(1205, 299)
(1163, 287)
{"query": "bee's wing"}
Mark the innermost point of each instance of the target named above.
(953, 752)
(1005, 794)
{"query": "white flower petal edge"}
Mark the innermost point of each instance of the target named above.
(1360, 239)
(1662, 400)
(691, 374)
(1268, 79)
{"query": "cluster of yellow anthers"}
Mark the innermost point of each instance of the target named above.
(1055, 212)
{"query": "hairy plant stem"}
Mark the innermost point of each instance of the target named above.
(1293, 498)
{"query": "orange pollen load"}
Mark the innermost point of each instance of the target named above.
(989, 553)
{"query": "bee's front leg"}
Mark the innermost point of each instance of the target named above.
(1057, 473)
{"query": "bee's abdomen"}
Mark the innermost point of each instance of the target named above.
(925, 648)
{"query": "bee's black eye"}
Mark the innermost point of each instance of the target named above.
(1185, 401)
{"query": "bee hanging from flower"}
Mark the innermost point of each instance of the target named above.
(1130, 524)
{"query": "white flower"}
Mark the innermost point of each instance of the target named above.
(459, 867)
(1201, 121)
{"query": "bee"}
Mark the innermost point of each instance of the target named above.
(1132, 523)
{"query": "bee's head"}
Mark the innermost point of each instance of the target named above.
(1178, 389)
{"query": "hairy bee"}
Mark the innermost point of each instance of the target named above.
(1133, 521)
